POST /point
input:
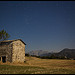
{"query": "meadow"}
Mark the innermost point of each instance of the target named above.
(35, 65)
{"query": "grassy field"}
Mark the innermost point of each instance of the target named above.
(35, 65)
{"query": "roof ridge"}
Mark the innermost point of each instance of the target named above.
(12, 40)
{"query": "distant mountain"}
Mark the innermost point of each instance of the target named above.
(69, 53)
(38, 52)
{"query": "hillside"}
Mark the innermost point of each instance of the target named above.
(38, 52)
(69, 53)
(35, 65)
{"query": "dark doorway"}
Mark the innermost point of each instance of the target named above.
(3, 59)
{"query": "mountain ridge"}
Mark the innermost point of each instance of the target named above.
(69, 53)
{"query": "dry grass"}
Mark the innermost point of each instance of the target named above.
(33, 61)
(35, 65)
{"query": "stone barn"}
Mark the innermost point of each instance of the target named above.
(12, 51)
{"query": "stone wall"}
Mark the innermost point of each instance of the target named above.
(18, 52)
(14, 51)
(5, 50)
(9, 52)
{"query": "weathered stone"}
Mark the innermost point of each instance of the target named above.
(14, 50)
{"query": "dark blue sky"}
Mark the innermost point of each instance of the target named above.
(42, 25)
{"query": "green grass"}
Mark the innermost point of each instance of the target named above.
(39, 66)
(8, 69)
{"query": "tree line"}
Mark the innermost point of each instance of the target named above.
(47, 57)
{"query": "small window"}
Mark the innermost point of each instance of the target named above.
(3, 59)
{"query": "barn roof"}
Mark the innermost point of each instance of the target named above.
(6, 41)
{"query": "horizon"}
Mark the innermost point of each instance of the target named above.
(50, 50)
(42, 25)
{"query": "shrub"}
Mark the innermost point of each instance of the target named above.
(27, 54)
